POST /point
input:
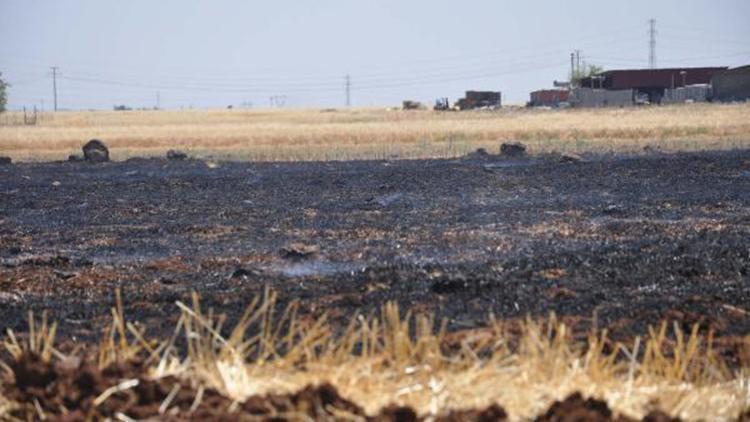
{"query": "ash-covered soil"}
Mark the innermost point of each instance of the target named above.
(615, 242)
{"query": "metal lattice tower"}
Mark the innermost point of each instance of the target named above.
(652, 43)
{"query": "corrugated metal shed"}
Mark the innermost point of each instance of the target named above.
(732, 85)
(649, 79)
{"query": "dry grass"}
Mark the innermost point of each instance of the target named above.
(376, 133)
(402, 359)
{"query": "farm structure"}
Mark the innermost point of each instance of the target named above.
(685, 94)
(651, 83)
(588, 97)
(480, 99)
(548, 97)
(732, 84)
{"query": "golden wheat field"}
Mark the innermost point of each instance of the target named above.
(373, 133)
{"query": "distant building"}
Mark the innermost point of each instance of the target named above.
(480, 99)
(588, 97)
(412, 105)
(732, 84)
(687, 94)
(651, 82)
(548, 97)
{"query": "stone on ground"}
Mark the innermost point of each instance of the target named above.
(177, 155)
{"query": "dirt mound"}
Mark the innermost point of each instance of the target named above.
(80, 391)
(95, 151)
(576, 408)
(74, 389)
(513, 149)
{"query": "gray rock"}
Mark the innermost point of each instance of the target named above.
(514, 149)
(95, 151)
(4, 161)
(174, 154)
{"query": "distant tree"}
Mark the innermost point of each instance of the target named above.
(3, 93)
(586, 71)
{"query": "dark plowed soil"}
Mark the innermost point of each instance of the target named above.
(72, 391)
(620, 242)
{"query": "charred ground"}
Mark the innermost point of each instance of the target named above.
(620, 242)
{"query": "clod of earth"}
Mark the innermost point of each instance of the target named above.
(245, 273)
(95, 151)
(74, 158)
(515, 149)
(176, 155)
(4, 160)
(298, 250)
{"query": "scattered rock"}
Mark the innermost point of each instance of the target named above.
(7, 298)
(245, 273)
(176, 155)
(514, 149)
(479, 154)
(65, 274)
(95, 151)
(569, 157)
(75, 158)
(614, 210)
(4, 160)
(298, 250)
(167, 281)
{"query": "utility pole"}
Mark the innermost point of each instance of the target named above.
(54, 85)
(348, 90)
(578, 62)
(158, 101)
(572, 68)
(652, 43)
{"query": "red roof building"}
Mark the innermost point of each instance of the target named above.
(548, 97)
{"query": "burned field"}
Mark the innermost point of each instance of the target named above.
(607, 242)
(619, 243)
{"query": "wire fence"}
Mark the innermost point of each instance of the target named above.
(24, 117)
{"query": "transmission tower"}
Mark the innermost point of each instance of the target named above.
(652, 43)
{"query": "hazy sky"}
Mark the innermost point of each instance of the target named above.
(216, 53)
